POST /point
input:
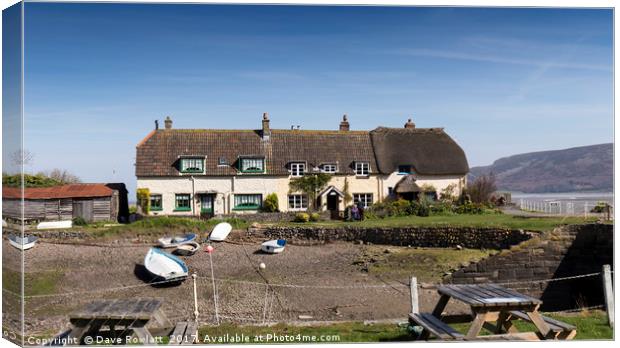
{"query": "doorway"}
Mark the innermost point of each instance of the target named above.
(333, 201)
(206, 205)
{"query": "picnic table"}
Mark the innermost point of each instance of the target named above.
(494, 308)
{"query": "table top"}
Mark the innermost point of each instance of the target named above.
(137, 308)
(487, 295)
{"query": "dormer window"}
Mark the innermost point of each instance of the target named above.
(252, 165)
(298, 169)
(329, 168)
(192, 165)
(405, 169)
(222, 161)
(362, 168)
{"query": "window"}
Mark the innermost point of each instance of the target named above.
(329, 168)
(252, 165)
(248, 202)
(156, 202)
(297, 202)
(192, 165)
(222, 161)
(182, 202)
(405, 169)
(298, 169)
(362, 168)
(364, 198)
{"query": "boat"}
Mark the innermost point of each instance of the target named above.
(220, 232)
(187, 249)
(165, 266)
(22, 243)
(54, 224)
(275, 246)
(171, 242)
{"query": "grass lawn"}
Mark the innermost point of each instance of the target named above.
(484, 220)
(590, 325)
(38, 283)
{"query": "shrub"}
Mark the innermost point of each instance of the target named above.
(79, 221)
(315, 217)
(441, 208)
(301, 217)
(481, 188)
(271, 203)
(143, 196)
(470, 208)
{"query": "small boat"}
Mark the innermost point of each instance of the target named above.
(165, 266)
(171, 242)
(275, 246)
(22, 243)
(220, 232)
(187, 249)
(54, 224)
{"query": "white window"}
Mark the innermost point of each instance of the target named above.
(192, 165)
(329, 168)
(297, 202)
(364, 198)
(248, 202)
(298, 169)
(252, 165)
(362, 168)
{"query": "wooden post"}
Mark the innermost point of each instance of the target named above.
(194, 276)
(413, 287)
(609, 294)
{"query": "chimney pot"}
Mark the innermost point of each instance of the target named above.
(156, 124)
(266, 132)
(168, 122)
(344, 125)
(409, 124)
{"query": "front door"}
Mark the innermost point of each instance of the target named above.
(332, 204)
(206, 205)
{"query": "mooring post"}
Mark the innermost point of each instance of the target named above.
(194, 276)
(609, 294)
(413, 285)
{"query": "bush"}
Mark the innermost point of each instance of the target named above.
(79, 221)
(271, 203)
(315, 217)
(301, 217)
(442, 208)
(470, 208)
(143, 196)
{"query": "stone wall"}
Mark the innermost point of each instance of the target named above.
(271, 217)
(437, 237)
(563, 252)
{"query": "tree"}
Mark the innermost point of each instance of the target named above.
(481, 188)
(22, 157)
(347, 195)
(63, 176)
(143, 196)
(271, 204)
(311, 185)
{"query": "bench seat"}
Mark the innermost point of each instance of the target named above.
(434, 326)
(560, 329)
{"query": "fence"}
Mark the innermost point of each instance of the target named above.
(567, 208)
(212, 301)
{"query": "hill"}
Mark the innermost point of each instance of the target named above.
(585, 168)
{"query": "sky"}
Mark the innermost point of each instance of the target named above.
(500, 81)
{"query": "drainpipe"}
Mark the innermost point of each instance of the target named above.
(193, 195)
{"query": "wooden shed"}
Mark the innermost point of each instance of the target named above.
(93, 202)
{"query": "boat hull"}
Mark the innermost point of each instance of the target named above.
(165, 266)
(220, 232)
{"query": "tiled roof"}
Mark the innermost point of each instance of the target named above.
(159, 152)
(57, 192)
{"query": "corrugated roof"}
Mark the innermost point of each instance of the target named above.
(58, 192)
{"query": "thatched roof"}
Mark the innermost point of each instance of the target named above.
(427, 150)
(407, 184)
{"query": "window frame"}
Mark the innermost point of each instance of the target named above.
(335, 166)
(297, 173)
(242, 160)
(183, 169)
(360, 171)
(176, 202)
(401, 172)
(365, 202)
(245, 206)
(161, 202)
(299, 202)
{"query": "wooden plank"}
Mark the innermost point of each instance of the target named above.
(511, 293)
(453, 291)
(609, 294)
(441, 305)
(177, 334)
(442, 326)
(191, 333)
(476, 325)
(519, 336)
(540, 323)
(434, 326)
(413, 290)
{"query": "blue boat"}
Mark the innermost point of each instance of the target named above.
(165, 266)
(173, 242)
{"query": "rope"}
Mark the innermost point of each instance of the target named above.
(551, 280)
(577, 310)
(380, 286)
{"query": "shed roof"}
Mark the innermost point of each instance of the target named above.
(58, 192)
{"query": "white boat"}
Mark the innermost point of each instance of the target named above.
(275, 246)
(22, 243)
(165, 266)
(187, 249)
(220, 232)
(46, 225)
(171, 242)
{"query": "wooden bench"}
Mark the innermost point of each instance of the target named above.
(184, 333)
(559, 330)
(434, 326)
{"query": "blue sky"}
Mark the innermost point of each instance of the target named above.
(501, 81)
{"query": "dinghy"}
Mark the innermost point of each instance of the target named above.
(220, 232)
(187, 249)
(54, 224)
(275, 246)
(165, 266)
(171, 242)
(22, 243)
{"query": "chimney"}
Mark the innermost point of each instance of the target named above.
(156, 124)
(168, 122)
(344, 125)
(409, 124)
(266, 129)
